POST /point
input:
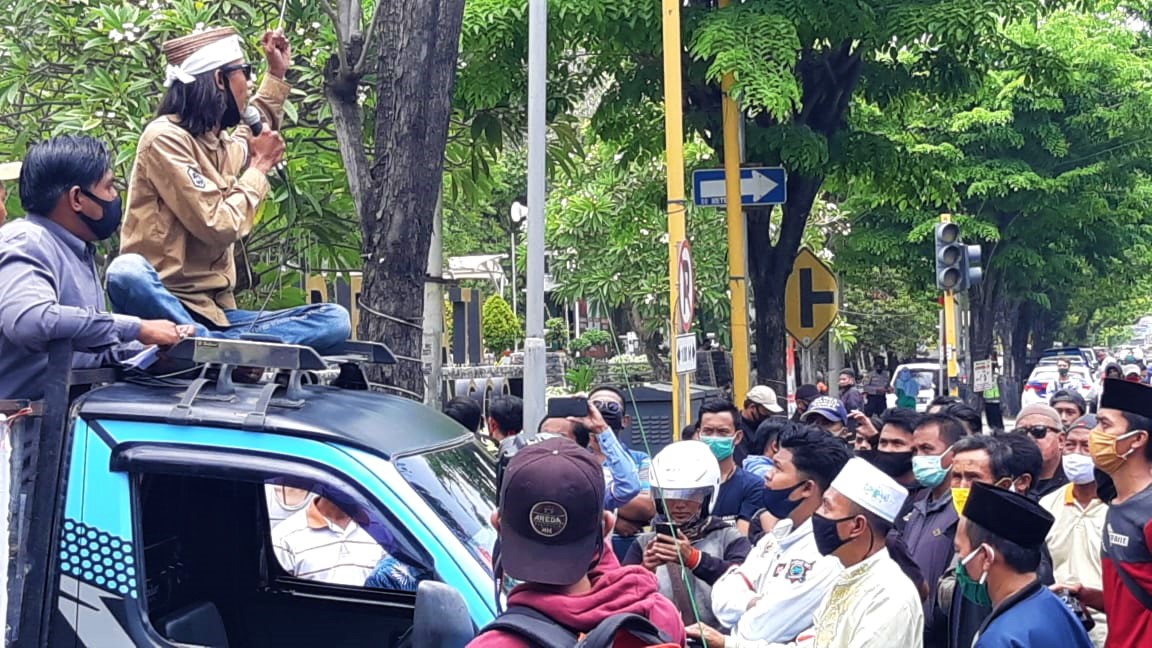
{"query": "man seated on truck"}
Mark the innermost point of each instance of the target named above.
(324, 543)
(49, 289)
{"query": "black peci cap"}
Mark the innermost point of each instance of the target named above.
(1008, 515)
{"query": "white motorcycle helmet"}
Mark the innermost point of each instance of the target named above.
(686, 470)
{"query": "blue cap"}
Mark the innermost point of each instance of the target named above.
(828, 407)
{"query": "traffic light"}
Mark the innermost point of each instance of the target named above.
(973, 273)
(950, 257)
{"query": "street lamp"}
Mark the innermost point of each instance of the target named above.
(518, 212)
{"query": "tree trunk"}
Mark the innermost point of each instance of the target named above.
(415, 54)
(769, 267)
(829, 80)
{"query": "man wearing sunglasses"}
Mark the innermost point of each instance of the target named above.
(632, 517)
(1044, 425)
(196, 188)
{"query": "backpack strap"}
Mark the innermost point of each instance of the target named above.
(604, 634)
(534, 626)
(1138, 592)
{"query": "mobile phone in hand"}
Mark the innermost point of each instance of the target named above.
(664, 528)
(563, 407)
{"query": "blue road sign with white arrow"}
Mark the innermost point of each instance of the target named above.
(758, 186)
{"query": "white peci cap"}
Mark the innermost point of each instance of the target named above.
(865, 485)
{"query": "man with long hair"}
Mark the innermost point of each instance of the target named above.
(196, 189)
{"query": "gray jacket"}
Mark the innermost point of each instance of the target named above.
(49, 290)
(721, 546)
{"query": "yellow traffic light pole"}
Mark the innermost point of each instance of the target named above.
(674, 143)
(737, 246)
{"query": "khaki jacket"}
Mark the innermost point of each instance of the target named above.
(190, 199)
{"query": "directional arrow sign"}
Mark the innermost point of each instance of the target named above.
(810, 299)
(758, 186)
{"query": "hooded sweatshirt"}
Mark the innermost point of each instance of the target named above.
(615, 590)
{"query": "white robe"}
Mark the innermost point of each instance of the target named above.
(774, 594)
(872, 605)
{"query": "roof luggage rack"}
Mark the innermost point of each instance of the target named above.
(268, 352)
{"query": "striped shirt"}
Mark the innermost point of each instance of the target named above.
(310, 546)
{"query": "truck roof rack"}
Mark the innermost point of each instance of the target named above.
(268, 353)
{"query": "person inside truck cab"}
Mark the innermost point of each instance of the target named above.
(49, 288)
(326, 543)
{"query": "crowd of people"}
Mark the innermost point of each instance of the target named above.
(834, 528)
(847, 524)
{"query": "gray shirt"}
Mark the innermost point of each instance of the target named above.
(49, 290)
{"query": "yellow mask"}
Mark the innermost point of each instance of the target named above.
(959, 498)
(1103, 448)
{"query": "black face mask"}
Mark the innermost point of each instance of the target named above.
(231, 116)
(827, 538)
(615, 420)
(893, 464)
(113, 211)
(777, 503)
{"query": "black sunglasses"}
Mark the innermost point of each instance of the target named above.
(611, 407)
(246, 68)
(1039, 431)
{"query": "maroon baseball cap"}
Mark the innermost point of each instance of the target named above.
(551, 513)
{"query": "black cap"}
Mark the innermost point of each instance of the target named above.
(807, 393)
(551, 513)
(1008, 515)
(1086, 422)
(848, 371)
(1126, 396)
(1068, 396)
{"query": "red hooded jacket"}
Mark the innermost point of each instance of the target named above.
(615, 590)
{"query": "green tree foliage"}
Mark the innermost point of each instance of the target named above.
(888, 317)
(607, 230)
(798, 66)
(96, 68)
(1045, 165)
(499, 326)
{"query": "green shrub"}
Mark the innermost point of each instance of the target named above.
(556, 332)
(499, 327)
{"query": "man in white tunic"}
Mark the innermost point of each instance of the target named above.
(872, 604)
(773, 595)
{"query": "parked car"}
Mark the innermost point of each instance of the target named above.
(926, 373)
(1036, 388)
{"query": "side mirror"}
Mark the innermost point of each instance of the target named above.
(442, 619)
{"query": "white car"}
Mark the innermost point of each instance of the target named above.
(926, 374)
(1035, 390)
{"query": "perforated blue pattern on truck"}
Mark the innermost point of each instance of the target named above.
(98, 558)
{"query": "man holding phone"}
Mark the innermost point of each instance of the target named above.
(576, 419)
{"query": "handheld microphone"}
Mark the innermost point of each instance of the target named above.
(252, 119)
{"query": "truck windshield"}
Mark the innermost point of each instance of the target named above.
(460, 485)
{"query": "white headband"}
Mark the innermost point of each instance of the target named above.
(213, 55)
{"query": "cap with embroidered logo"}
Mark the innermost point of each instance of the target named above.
(551, 513)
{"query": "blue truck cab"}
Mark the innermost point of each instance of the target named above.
(149, 517)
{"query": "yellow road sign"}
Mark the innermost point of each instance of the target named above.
(811, 300)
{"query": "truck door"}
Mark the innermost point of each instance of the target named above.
(207, 567)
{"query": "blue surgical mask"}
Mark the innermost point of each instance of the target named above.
(721, 447)
(927, 469)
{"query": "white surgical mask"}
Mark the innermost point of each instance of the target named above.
(1079, 468)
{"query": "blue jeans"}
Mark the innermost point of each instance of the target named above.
(134, 288)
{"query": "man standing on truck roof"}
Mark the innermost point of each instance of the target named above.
(49, 289)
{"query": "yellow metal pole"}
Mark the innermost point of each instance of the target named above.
(674, 142)
(737, 247)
